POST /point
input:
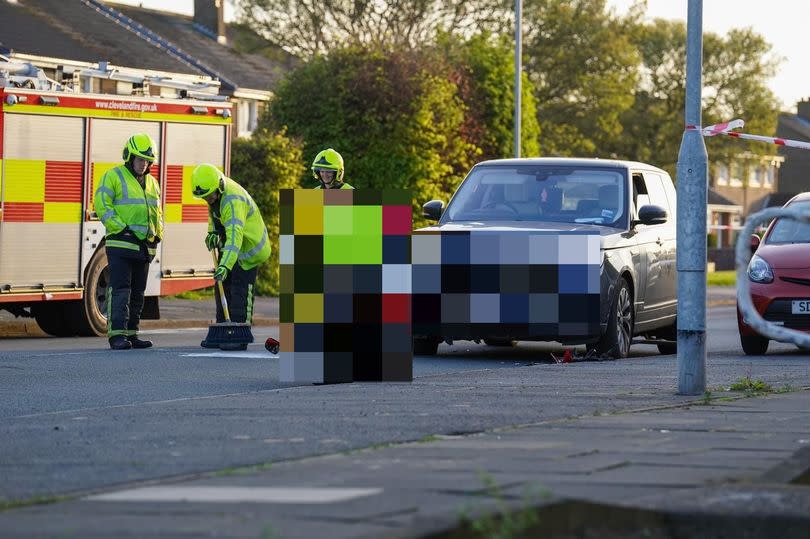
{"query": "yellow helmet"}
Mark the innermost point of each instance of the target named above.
(328, 159)
(141, 145)
(206, 179)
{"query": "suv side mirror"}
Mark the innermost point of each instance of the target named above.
(433, 210)
(755, 241)
(652, 215)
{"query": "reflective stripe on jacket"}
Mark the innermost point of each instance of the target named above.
(121, 202)
(246, 239)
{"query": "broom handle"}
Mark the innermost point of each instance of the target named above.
(222, 299)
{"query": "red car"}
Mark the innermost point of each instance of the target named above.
(779, 272)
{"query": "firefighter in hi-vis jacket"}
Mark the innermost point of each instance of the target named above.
(128, 203)
(327, 168)
(236, 227)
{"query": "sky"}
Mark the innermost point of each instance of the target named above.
(783, 23)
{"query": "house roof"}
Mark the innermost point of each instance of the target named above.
(247, 70)
(801, 126)
(716, 199)
(87, 31)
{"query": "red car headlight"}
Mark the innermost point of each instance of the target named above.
(759, 271)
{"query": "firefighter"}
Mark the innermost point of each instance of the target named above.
(327, 168)
(128, 202)
(236, 227)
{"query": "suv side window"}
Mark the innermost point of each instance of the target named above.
(640, 195)
(655, 189)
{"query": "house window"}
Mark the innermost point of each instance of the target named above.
(770, 172)
(755, 176)
(722, 174)
(247, 117)
(736, 175)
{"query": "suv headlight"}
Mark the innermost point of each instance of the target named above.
(759, 271)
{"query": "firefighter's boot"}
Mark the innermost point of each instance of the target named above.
(139, 343)
(120, 342)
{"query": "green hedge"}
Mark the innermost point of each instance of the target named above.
(263, 164)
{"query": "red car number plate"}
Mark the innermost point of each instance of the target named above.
(801, 306)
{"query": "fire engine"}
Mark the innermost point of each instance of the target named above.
(56, 143)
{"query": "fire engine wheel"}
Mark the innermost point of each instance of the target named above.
(92, 319)
(54, 318)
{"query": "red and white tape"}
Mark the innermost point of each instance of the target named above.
(725, 128)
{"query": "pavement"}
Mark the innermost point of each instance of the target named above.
(563, 455)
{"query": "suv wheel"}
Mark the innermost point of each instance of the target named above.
(616, 340)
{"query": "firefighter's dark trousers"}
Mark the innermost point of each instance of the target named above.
(128, 272)
(239, 293)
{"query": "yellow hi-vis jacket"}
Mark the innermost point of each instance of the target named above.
(343, 186)
(246, 239)
(121, 202)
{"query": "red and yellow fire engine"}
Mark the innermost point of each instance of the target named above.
(54, 148)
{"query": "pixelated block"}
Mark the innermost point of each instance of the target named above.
(485, 248)
(396, 249)
(308, 220)
(345, 302)
(286, 254)
(514, 249)
(455, 249)
(396, 309)
(338, 197)
(485, 308)
(338, 220)
(509, 283)
(396, 279)
(397, 220)
(426, 279)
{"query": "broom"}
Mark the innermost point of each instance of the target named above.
(226, 335)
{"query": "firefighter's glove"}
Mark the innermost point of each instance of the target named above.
(213, 241)
(221, 273)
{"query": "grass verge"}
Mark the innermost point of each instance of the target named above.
(202, 293)
(721, 278)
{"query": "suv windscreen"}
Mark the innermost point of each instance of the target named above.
(559, 194)
(791, 230)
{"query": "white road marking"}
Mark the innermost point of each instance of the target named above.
(212, 494)
(251, 355)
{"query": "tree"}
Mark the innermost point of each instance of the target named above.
(584, 67)
(483, 68)
(395, 118)
(309, 27)
(735, 74)
(263, 164)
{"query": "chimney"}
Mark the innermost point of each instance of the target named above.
(209, 15)
(803, 108)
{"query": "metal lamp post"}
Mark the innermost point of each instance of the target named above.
(692, 187)
(518, 70)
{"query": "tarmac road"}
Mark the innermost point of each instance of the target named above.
(76, 416)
